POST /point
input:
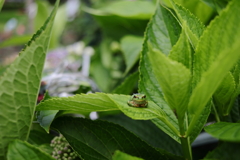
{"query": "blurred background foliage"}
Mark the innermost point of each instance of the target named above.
(113, 28)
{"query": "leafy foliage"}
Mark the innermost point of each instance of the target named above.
(19, 88)
(99, 140)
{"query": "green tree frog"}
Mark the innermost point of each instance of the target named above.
(138, 100)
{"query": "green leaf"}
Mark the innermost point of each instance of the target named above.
(59, 25)
(125, 17)
(148, 132)
(162, 32)
(127, 86)
(42, 13)
(128, 9)
(19, 88)
(215, 56)
(45, 118)
(198, 8)
(99, 140)
(174, 78)
(224, 131)
(224, 96)
(16, 40)
(102, 102)
(108, 102)
(225, 151)
(131, 47)
(182, 52)
(190, 23)
(118, 155)
(80, 103)
(1, 4)
(24, 151)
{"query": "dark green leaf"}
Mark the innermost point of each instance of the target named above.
(99, 140)
(148, 132)
(225, 151)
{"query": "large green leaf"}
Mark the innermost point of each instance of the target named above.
(131, 47)
(191, 24)
(225, 131)
(108, 102)
(19, 88)
(80, 103)
(162, 32)
(174, 78)
(19, 150)
(225, 151)
(99, 140)
(148, 132)
(215, 55)
(118, 155)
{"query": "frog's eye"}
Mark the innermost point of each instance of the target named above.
(144, 96)
(134, 96)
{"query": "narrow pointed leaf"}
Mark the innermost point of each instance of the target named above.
(192, 25)
(100, 139)
(225, 131)
(174, 78)
(19, 88)
(19, 150)
(162, 32)
(182, 52)
(215, 56)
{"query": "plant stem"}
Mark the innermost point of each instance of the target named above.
(187, 152)
(185, 141)
(215, 112)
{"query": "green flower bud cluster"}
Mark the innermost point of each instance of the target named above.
(62, 150)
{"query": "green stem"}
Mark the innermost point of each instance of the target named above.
(187, 151)
(185, 141)
(174, 129)
(215, 112)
